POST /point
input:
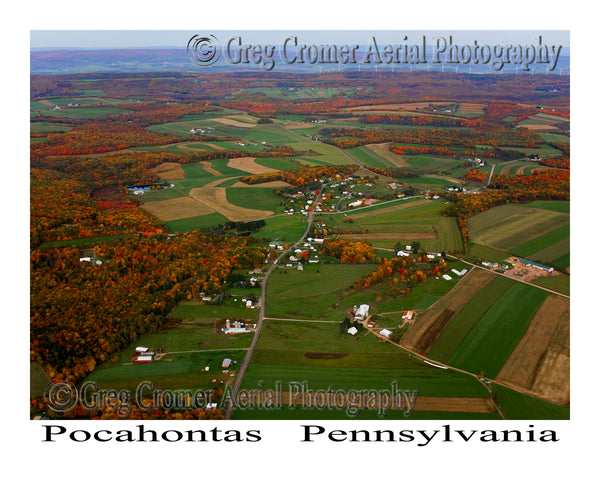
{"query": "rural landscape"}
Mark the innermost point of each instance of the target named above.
(291, 240)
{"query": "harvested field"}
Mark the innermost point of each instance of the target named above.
(395, 208)
(455, 404)
(274, 184)
(216, 199)
(177, 208)
(169, 171)
(423, 334)
(432, 404)
(540, 362)
(382, 149)
(471, 108)
(389, 236)
(46, 102)
(233, 123)
(248, 164)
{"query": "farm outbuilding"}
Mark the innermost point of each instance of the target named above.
(385, 332)
(361, 312)
(529, 263)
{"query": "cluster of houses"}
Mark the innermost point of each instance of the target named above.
(307, 254)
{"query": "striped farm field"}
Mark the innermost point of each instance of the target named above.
(413, 219)
(498, 332)
(465, 320)
(424, 333)
(508, 226)
(541, 361)
(547, 247)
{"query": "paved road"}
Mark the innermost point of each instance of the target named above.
(261, 315)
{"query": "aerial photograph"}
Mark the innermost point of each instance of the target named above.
(300, 225)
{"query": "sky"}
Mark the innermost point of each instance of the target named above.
(111, 39)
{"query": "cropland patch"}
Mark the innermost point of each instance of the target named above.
(248, 164)
(274, 184)
(233, 122)
(389, 236)
(169, 171)
(540, 362)
(216, 199)
(382, 149)
(423, 334)
(393, 208)
(177, 208)
(208, 168)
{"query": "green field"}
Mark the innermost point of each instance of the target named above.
(368, 157)
(559, 283)
(413, 376)
(420, 218)
(197, 309)
(49, 127)
(185, 370)
(193, 336)
(277, 163)
(517, 406)
(283, 228)
(539, 231)
(491, 341)
(432, 164)
(546, 247)
(508, 226)
(464, 321)
(195, 223)
(312, 292)
(256, 198)
(86, 112)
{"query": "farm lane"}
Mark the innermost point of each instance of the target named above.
(261, 315)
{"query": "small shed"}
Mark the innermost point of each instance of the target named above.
(352, 330)
(385, 332)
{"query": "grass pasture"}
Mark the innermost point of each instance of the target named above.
(313, 292)
(283, 228)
